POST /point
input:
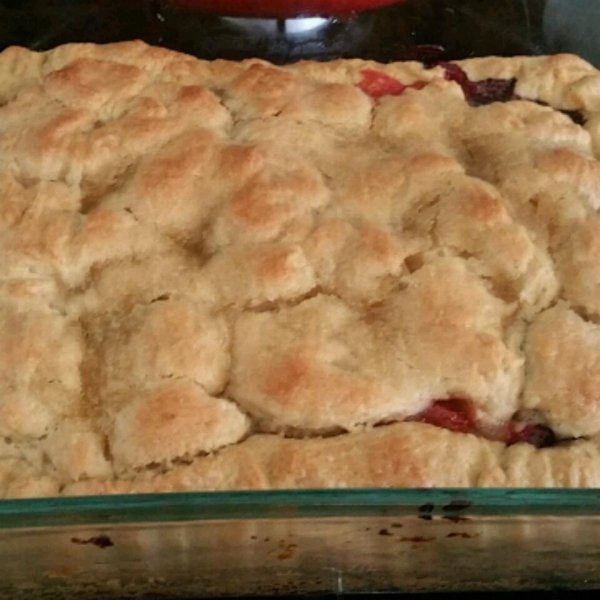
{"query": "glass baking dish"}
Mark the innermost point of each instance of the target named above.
(342, 541)
(300, 542)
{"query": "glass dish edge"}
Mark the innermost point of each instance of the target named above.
(296, 504)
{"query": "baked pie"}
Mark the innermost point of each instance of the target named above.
(225, 276)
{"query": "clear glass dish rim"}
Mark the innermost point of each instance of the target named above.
(296, 504)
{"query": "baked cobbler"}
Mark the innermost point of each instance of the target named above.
(227, 276)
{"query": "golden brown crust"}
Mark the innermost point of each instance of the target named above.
(219, 276)
(562, 379)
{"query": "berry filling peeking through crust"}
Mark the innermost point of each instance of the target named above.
(460, 415)
(455, 414)
(377, 85)
(480, 93)
(539, 436)
(477, 93)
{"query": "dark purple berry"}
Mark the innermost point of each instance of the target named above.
(488, 91)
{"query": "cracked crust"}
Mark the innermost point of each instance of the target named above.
(221, 276)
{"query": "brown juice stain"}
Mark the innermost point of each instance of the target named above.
(462, 535)
(456, 519)
(286, 550)
(100, 541)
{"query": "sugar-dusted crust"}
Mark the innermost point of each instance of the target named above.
(219, 276)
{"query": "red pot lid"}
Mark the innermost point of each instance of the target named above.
(283, 8)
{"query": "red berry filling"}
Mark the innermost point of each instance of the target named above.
(539, 436)
(477, 93)
(480, 93)
(460, 415)
(377, 84)
(455, 414)
(455, 73)
(493, 90)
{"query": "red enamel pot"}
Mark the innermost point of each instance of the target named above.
(282, 8)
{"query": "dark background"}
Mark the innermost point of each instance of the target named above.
(457, 29)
